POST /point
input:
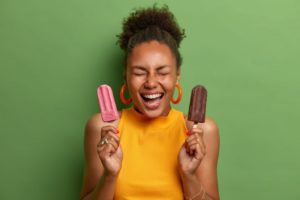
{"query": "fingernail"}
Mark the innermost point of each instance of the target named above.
(188, 132)
(118, 131)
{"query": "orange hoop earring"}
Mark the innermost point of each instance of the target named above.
(176, 101)
(122, 91)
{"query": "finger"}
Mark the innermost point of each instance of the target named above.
(110, 149)
(192, 149)
(100, 148)
(114, 143)
(107, 129)
(196, 140)
(191, 137)
(100, 152)
(195, 131)
(200, 140)
(113, 136)
(108, 140)
(197, 152)
(112, 128)
(108, 137)
(198, 131)
(107, 150)
(187, 148)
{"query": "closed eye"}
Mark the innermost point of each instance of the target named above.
(139, 74)
(163, 73)
(139, 71)
(163, 70)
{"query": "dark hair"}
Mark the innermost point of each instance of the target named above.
(147, 24)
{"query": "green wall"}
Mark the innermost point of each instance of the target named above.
(53, 55)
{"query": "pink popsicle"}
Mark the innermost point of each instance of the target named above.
(107, 103)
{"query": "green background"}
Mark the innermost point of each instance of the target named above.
(54, 54)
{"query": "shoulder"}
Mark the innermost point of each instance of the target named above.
(211, 141)
(94, 123)
(210, 132)
(207, 170)
(210, 127)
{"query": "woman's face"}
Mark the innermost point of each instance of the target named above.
(151, 75)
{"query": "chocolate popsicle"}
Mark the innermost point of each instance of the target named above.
(197, 105)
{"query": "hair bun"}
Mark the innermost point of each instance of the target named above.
(142, 19)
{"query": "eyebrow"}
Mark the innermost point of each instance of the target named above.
(138, 67)
(143, 68)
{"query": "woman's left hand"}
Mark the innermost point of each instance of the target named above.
(192, 151)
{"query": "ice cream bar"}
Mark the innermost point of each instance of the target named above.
(197, 104)
(107, 103)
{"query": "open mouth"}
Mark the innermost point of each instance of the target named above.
(151, 97)
(152, 101)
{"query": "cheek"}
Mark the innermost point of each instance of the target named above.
(133, 83)
(169, 82)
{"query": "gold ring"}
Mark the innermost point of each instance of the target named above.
(104, 141)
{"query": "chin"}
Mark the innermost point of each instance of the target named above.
(153, 113)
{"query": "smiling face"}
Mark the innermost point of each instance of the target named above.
(151, 76)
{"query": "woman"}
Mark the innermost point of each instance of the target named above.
(147, 153)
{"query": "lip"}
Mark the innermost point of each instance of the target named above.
(150, 93)
(152, 104)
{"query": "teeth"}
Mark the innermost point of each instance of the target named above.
(152, 96)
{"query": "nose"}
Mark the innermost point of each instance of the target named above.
(151, 82)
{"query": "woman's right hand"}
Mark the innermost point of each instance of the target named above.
(109, 150)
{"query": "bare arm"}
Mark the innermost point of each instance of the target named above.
(97, 183)
(203, 184)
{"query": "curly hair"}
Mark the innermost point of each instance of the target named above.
(147, 24)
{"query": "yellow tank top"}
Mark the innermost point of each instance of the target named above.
(150, 149)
